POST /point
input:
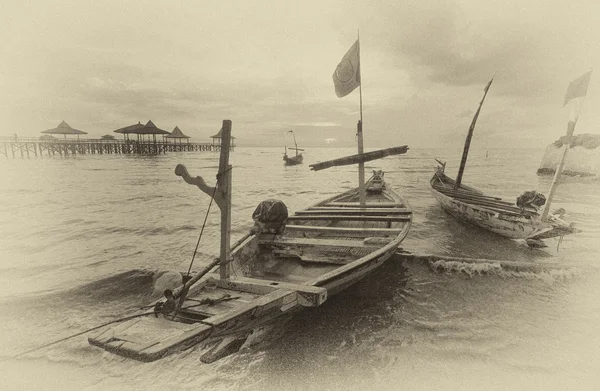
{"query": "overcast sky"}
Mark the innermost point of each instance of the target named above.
(268, 67)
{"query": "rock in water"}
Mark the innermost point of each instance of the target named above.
(583, 159)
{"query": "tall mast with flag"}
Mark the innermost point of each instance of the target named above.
(345, 79)
(575, 95)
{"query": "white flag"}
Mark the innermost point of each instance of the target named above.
(347, 74)
(578, 87)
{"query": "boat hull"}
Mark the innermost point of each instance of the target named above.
(293, 160)
(507, 223)
(322, 250)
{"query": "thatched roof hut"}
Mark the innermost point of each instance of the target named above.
(141, 130)
(219, 136)
(178, 134)
(64, 129)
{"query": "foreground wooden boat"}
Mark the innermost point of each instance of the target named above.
(523, 220)
(286, 263)
(293, 160)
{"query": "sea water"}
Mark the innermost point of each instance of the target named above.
(84, 239)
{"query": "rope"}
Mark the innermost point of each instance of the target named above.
(204, 302)
(203, 225)
(83, 332)
(205, 218)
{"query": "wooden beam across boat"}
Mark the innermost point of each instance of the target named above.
(314, 242)
(359, 158)
(357, 204)
(333, 210)
(466, 193)
(332, 217)
(371, 231)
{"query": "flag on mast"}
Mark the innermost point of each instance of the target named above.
(578, 87)
(347, 74)
(576, 92)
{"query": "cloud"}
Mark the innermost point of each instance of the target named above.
(268, 67)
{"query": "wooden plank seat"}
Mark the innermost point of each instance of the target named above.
(371, 231)
(331, 217)
(360, 211)
(321, 258)
(282, 241)
(314, 295)
(357, 204)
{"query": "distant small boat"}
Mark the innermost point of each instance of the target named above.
(522, 220)
(293, 160)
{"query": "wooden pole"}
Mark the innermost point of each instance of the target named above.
(554, 185)
(463, 160)
(224, 188)
(362, 193)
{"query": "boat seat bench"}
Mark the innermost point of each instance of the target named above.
(280, 241)
(374, 231)
(333, 217)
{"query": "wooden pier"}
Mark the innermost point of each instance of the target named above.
(33, 147)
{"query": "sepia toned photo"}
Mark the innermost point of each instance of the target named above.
(299, 196)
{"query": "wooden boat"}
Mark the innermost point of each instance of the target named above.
(520, 220)
(495, 215)
(293, 160)
(286, 263)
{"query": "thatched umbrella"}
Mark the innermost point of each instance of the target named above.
(64, 129)
(178, 134)
(108, 137)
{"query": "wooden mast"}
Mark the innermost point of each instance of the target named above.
(581, 85)
(463, 160)
(362, 193)
(222, 196)
(295, 144)
(224, 188)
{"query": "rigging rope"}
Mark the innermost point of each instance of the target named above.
(203, 225)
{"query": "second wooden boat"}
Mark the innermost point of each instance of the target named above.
(521, 220)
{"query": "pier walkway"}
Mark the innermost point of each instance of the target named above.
(33, 147)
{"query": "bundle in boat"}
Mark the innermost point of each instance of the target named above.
(360, 158)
